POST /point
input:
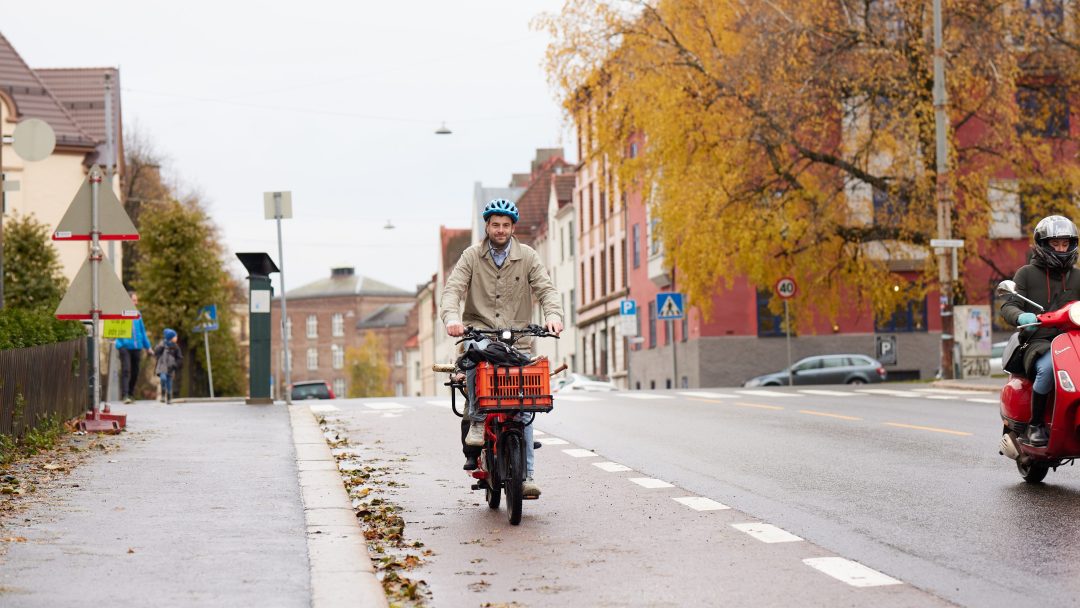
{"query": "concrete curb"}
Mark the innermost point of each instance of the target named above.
(341, 570)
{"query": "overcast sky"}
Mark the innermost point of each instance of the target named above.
(337, 102)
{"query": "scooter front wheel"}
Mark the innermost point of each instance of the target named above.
(1032, 472)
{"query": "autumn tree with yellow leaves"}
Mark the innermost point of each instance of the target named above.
(796, 137)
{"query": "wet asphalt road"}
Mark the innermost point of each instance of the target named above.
(907, 482)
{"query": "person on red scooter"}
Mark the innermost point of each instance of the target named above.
(1050, 279)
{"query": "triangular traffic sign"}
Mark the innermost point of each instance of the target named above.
(113, 299)
(113, 222)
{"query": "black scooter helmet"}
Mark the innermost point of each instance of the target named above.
(1055, 227)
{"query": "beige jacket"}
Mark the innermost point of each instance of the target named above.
(497, 298)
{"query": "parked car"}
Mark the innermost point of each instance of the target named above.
(826, 369)
(311, 389)
(995, 359)
(582, 382)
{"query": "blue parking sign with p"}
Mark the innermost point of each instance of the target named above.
(627, 307)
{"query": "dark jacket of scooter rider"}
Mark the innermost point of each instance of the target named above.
(1051, 280)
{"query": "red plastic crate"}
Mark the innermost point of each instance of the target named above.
(514, 389)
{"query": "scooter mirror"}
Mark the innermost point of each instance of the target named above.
(1006, 287)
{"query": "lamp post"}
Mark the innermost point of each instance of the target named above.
(278, 206)
(944, 198)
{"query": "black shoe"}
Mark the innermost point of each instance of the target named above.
(470, 463)
(1036, 435)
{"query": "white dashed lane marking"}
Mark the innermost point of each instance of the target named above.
(579, 453)
(554, 441)
(649, 482)
(611, 467)
(707, 395)
(852, 573)
(700, 503)
(645, 396)
(889, 392)
(982, 400)
(826, 393)
(538, 432)
(767, 533)
(768, 394)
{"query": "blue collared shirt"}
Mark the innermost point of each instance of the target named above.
(499, 255)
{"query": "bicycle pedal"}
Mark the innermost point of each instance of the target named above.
(537, 445)
(530, 498)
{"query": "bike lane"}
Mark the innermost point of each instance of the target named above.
(601, 534)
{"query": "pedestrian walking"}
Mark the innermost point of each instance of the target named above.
(169, 359)
(130, 351)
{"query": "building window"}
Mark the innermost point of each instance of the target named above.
(611, 256)
(583, 282)
(685, 326)
(652, 324)
(570, 244)
(654, 238)
(1004, 198)
(337, 356)
(312, 358)
(338, 325)
(416, 370)
(562, 245)
(592, 277)
(282, 361)
(910, 317)
(573, 307)
(312, 326)
(399, 389)
(636, 245)
(1044, 110)
(603, 272)
(622, 258)
(399, 358)
(768, 324)
(339, 387)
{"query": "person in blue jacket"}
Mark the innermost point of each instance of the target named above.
(131, 352)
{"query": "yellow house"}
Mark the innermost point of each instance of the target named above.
(72, 101)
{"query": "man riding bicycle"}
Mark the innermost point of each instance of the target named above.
(491, 287)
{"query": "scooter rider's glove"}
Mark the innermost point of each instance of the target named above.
(1025, 318)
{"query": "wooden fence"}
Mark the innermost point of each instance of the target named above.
(42, 381)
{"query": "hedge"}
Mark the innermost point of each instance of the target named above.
(22, 328)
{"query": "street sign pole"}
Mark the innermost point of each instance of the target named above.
(209, 367)
(278, 205)
(95, 307)
(787, 331)
(674, 355)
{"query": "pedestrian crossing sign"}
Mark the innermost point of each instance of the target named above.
(669, 305)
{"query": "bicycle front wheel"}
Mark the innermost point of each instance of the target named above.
(514, 454)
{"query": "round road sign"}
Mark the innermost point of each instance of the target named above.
(786, 288)
(33, 139)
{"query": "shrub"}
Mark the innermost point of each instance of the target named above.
(22, 328)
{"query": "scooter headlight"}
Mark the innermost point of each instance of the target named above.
(1064, 381)
(1074, 315)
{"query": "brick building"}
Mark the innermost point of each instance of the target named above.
(324, 321)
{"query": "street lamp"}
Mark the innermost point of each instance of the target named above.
(278, 206)
(443, 130)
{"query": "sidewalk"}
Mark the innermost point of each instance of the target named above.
(201, 506)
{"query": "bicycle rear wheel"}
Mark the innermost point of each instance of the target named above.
(514, 457)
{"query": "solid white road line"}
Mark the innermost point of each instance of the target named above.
(700, 503)
(562, 397)
(982, 400)
(611, 467)
(941, 397)
(579, 453)
(649, 482)
(389, 405)
(889, 392)
(768, 394)
(707, 395)
(814, 391)
(767, 533)
(554, 440)
(852, 573)
(645, 396)
(943, 391)
(538, 432)
(319, 409)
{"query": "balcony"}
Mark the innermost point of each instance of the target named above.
(657, 273)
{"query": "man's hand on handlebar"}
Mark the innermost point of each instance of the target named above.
(455, 330)
(554, 327)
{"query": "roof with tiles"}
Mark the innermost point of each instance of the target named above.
(345, 282)
(82, 93)
(390, 315)
(564, 188)
(454, 242)
(34, 99)
(533, 204)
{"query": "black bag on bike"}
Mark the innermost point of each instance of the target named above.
(492, 351)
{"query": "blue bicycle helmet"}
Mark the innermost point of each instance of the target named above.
(501, 206)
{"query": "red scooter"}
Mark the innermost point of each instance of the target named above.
(1062, 408)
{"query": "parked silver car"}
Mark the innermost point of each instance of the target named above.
(581, 382)
(995, 359)
(826, 369)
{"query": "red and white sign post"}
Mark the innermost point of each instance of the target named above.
(786, 288)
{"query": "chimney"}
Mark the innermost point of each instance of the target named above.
(342, 272)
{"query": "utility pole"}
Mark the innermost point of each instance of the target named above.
(943, 194)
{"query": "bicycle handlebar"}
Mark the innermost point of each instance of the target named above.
(473, 333)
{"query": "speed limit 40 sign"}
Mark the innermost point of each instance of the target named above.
(786, 288)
